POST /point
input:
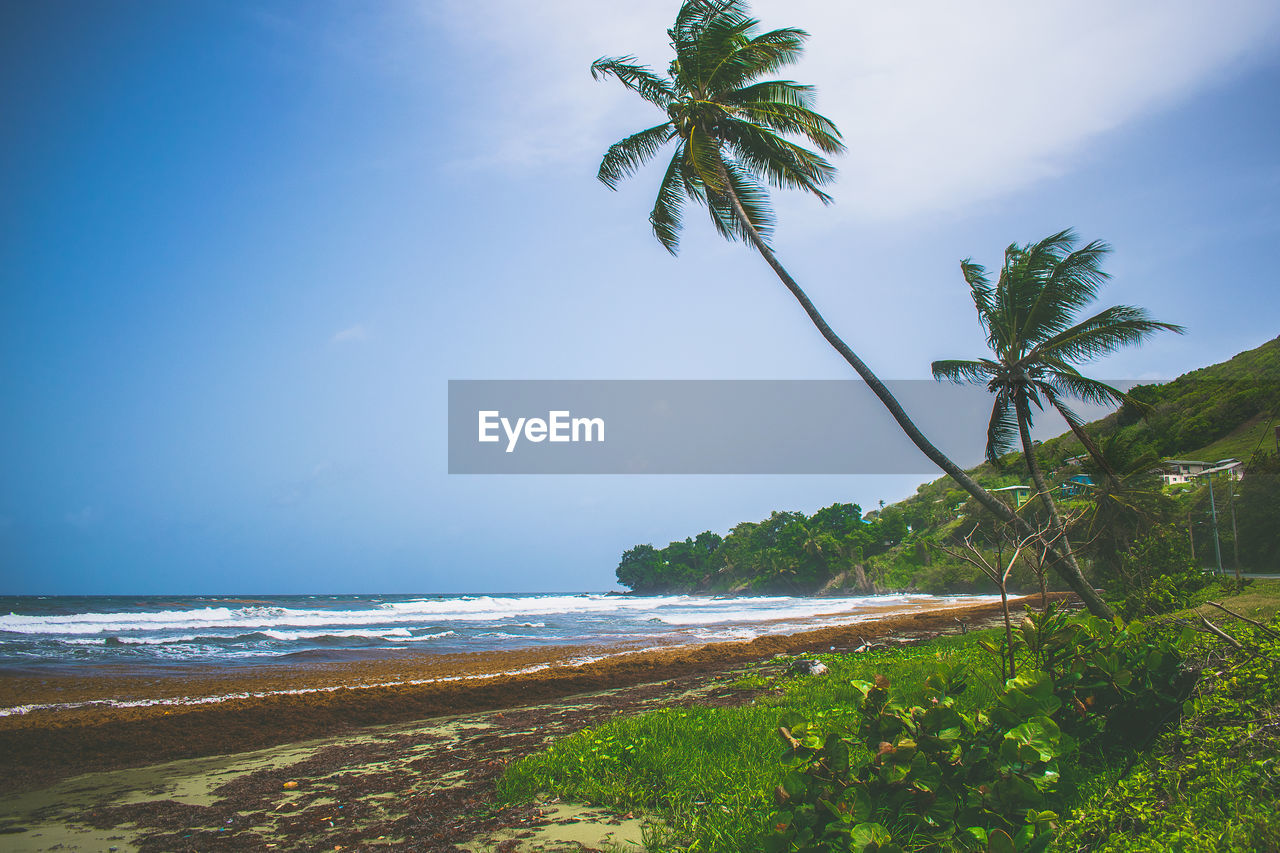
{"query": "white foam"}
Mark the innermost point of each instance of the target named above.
(423, 637)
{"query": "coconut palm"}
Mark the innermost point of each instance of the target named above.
(1030, 317)
(1125, 505)
(730, 129)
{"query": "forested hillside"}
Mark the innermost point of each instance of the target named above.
(1224, 410)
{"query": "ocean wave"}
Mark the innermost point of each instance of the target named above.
(423, 637)
(478, 609)
(264, 629)
(793, 609)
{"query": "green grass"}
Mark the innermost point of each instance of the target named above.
(1260, 600)
(1241, 443)
(708, 773)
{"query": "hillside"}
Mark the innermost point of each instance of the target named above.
(1226, 410)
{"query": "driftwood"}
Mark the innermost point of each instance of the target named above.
(1265, 629)
(1219, 633)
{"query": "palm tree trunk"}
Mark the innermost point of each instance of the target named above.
(1074, 579)
(1067, 566)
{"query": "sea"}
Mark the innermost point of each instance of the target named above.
(57, 634)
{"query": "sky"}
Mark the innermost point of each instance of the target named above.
(244, 247)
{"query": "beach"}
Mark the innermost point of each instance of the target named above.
(345, 720)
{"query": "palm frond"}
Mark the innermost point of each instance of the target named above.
(791, 118)
(626, 156)
(780, 162)
(1106, 332)
(1044, 254)
(961, 372)
(1062, 288)
(1077, 427)
(704, 161)
(1002, 430)
(638, 78)
(667, 215)
(754, 200)
(720, 41)
(770, 92)
(761, 55)
(699, 37)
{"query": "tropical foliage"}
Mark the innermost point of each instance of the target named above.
(1030, 316)
(787, 552)
(1142, 737)
(1130, 531)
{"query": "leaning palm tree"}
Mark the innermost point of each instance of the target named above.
(730, 128)
(1030, 317)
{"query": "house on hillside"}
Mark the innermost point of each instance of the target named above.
(1233, 468)
(1020, 494)
(1076, 485)
(1181, 470)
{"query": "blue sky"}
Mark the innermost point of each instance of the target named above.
(246, 245)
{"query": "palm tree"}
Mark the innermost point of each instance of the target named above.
(729, 127)
(1126, 504)
(1029, 315)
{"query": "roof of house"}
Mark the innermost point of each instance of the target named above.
(1221, 466)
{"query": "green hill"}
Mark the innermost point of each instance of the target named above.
(1226, 410)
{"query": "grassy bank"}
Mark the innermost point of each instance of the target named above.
(707, 774)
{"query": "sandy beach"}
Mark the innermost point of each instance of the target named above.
(400, 752)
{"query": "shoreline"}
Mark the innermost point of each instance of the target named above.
(218, 713)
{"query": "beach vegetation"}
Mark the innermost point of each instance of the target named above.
(1111, 737)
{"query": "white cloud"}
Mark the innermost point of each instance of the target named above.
(351, 335)
(941, 103)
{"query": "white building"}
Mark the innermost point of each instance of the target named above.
(1180, 470)
(1186, 470)
(1233, 468)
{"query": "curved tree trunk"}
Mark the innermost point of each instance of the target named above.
(1067, 565)
(1074, 579)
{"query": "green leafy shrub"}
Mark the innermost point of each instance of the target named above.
(1114, 680)
(1212, 783)
(924, 774)
(881, 776)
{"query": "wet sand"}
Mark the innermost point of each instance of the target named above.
(364, 770)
